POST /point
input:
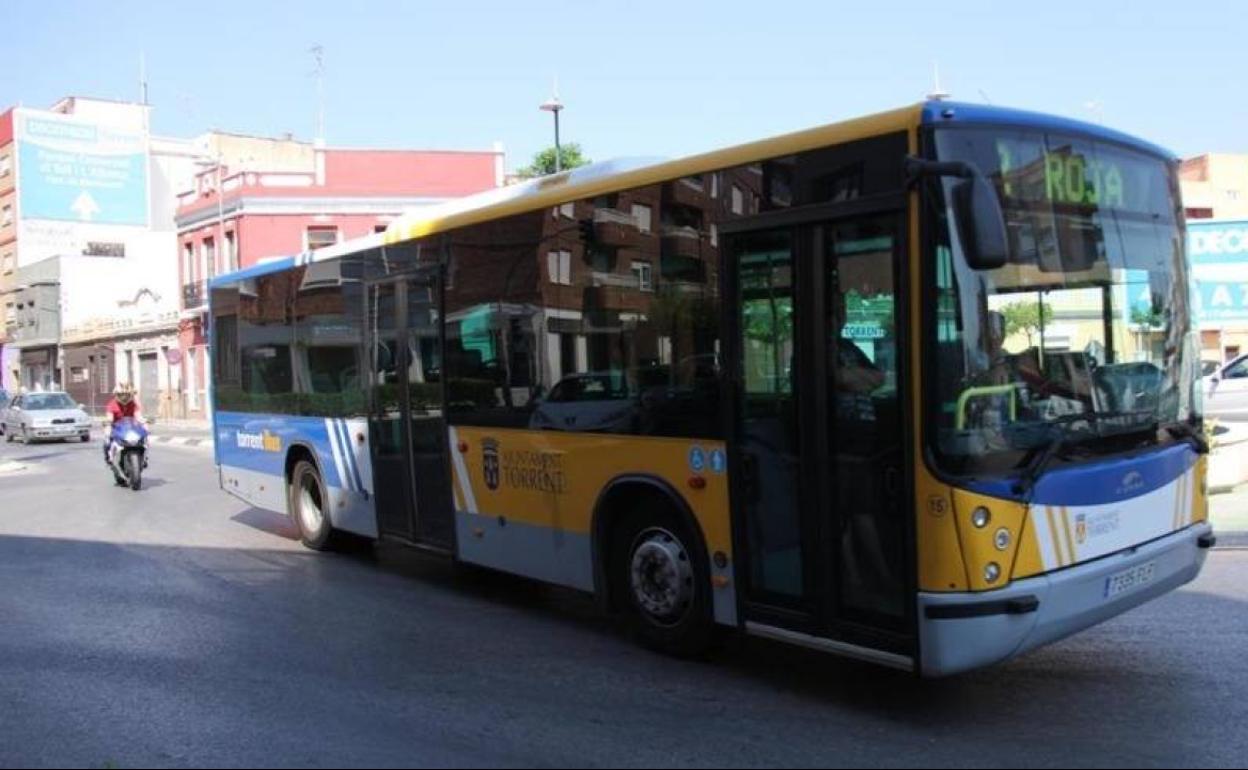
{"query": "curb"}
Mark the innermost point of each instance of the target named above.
(181, 441)
(1231, 541)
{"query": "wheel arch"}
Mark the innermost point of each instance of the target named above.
(615, 500)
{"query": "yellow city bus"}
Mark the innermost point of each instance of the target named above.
(918, 388)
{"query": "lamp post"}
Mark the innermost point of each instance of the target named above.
(553, 105)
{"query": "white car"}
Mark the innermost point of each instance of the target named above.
(45, 417)
(592, 402)
(1226, 392)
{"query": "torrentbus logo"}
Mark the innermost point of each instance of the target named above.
(262, 442)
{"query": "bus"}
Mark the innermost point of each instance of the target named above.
(918, 388)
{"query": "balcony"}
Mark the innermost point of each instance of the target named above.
(613, 227)
(195, 295)
(683, 269)
(687, 192)
(681, 241)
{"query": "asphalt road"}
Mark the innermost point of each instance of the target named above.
(177, 627)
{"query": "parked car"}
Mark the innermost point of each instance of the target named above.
(46, 417)
(1226, 392)
(593, 401)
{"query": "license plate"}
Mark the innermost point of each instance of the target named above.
(1130, 579)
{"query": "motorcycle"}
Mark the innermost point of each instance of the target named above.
(127, 453)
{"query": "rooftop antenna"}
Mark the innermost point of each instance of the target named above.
(938, 94)
(318, 55)
(142, 78)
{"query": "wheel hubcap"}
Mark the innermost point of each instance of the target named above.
(662, 576)
(310, 506)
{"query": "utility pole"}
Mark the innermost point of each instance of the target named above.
(318, 56)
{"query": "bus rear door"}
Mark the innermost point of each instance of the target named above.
(407, 424)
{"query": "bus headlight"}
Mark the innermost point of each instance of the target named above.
(992, 573)
(981, 518)
(1002, 539)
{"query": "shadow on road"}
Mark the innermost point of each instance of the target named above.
(394, 638)
(268, 522)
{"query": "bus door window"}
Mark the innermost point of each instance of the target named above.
(865, 430)
(770, 450)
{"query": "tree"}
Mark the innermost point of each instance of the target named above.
(1028, 318)
(544, 161)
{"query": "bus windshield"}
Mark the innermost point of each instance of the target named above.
(1084, 336)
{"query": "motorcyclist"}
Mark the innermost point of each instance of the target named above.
(123, 405)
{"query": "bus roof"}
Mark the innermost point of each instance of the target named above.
(601, 178)
(610, 176)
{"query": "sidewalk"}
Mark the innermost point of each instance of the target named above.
(1229, 515)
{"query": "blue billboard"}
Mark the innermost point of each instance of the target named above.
(1219, 253)
(72, 171)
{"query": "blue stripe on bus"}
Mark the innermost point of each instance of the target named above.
(348, 449)
(1100, 483)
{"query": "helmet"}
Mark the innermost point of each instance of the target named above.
(124, 392)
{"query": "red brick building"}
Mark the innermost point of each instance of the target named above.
(257, 199)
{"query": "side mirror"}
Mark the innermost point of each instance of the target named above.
(981, 222)
(980, 218)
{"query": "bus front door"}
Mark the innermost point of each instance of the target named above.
(818, 446)
(410, 461)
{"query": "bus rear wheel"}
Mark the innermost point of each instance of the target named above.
(661, 581)
(308, 503)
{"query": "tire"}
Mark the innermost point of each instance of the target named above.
(85, 439)
(134, 470)
(306, 501)
(661, 580)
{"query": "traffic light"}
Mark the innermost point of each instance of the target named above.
(586, 228)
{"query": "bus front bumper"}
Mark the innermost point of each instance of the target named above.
(959, 632)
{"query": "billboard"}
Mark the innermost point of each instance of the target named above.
(71, 170)
(1219, 254)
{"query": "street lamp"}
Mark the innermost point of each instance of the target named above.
(554, 105)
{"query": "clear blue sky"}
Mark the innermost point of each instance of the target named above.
(638, 77)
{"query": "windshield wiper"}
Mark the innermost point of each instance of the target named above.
(1059, 440)
(1191, 434)
(1026, 485)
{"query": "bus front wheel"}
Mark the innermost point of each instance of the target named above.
(661, 580)
(308, 503)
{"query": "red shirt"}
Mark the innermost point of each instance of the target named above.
(118, 411)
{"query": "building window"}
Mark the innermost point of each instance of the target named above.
(559, 264)
(210, 259)
(231, 252)
(645, 275)
(738, 201)
(6, 216)
(6, 263)
(188, 267)
(642, 215)
(6, 165)
(568, 210)
(320, 237)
